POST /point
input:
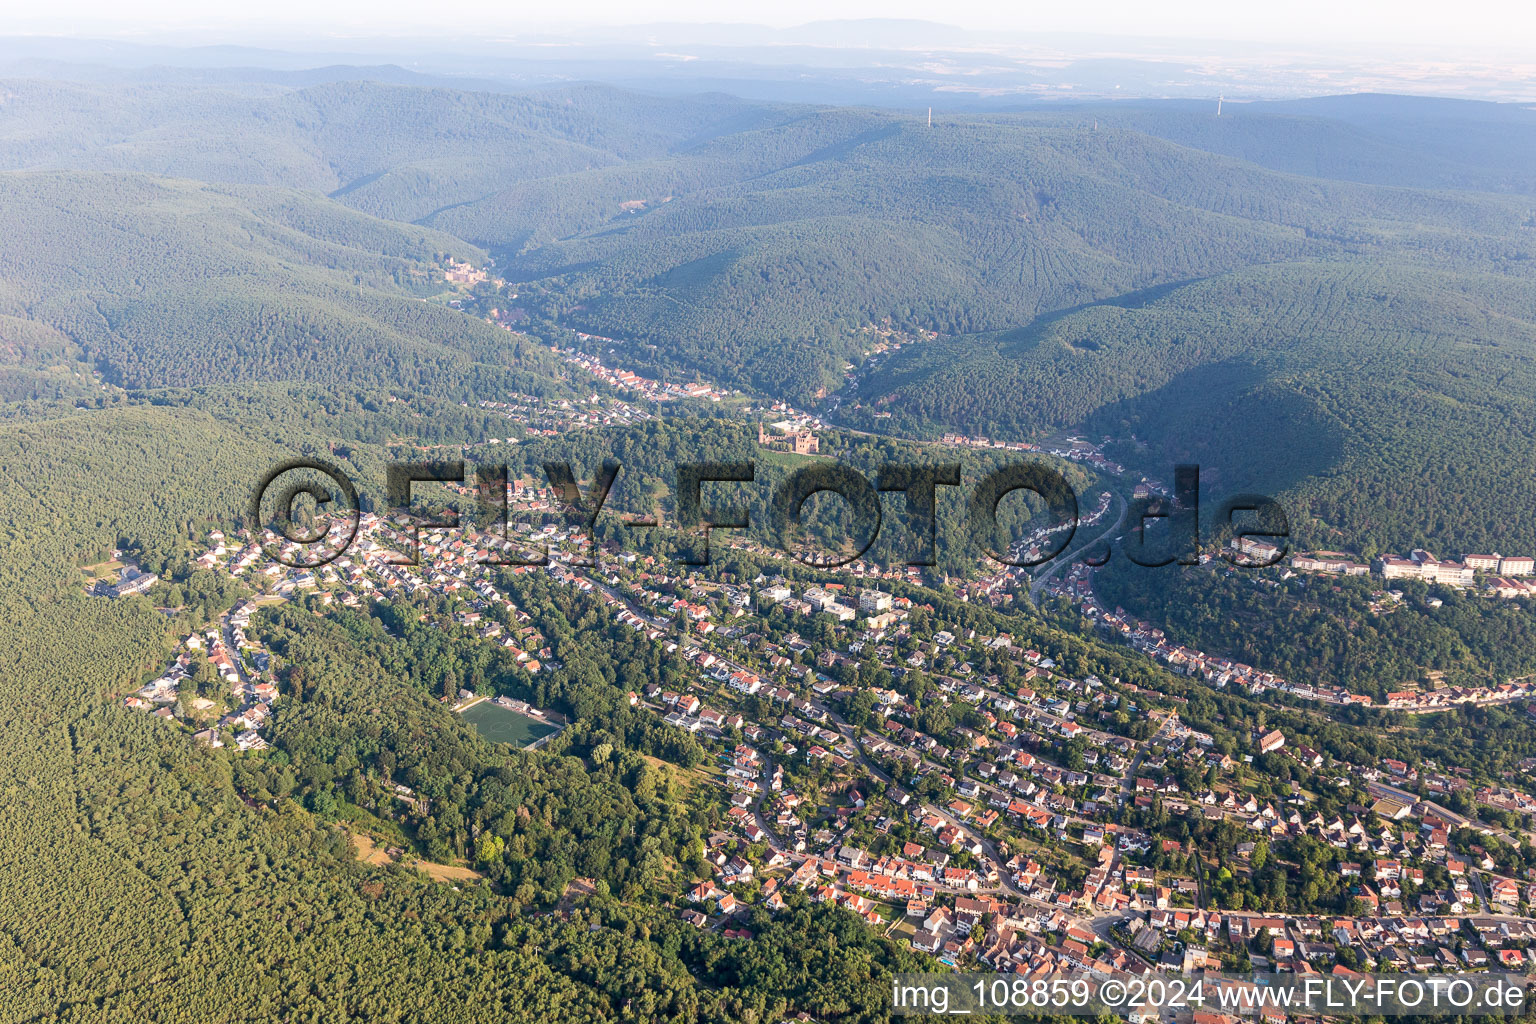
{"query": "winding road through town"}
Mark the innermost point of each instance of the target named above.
(1065, 559)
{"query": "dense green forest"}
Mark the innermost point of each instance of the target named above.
(191, 284)
(748, 241)
(1387, 405)
(978, 225)
(1362, 352)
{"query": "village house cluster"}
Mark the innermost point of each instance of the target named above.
(1076, 449)
(941, 905)
(552, 417)
(246, 680)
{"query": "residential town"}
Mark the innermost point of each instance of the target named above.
(954, 788)
(1010, 840)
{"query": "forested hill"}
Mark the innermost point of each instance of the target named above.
(1377, 139)
(162, 283)
(743, 240)
(394, 151)
(1389, 404)
(1259, 282)
(970, 225)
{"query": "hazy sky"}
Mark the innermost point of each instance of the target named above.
(1490, 25)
